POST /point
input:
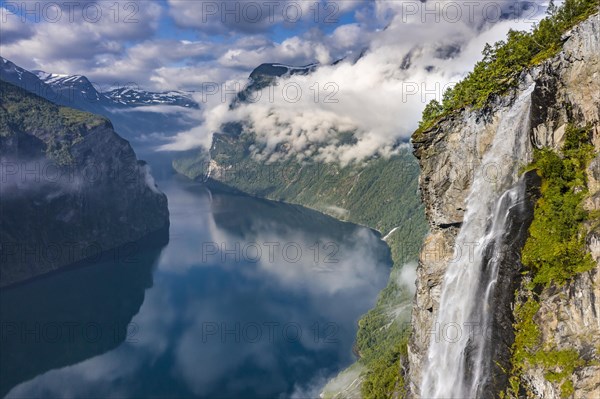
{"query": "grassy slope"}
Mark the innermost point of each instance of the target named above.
(381, 194)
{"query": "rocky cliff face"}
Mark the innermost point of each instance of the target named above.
(71, 188)
(567, 89)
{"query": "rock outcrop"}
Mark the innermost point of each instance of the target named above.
(567, 90)
(71, 188)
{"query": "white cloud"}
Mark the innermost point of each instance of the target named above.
(379, 98)
(74, 41)
(232, 17)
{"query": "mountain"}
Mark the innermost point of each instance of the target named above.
(265, 75)
(510, 185)
(126, 108)
(329, 188)
(272, 70)
(380, 193)
(135, 97)
(71, 187)
(76, 89)
(10, 72)
(526, 196)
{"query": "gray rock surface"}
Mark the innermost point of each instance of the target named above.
(567, 89)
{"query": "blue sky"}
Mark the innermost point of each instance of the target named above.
(277, 31)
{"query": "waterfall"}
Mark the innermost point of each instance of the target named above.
(457, 363)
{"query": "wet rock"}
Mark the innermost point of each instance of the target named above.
(567, 90)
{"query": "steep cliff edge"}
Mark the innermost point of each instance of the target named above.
(71, 188)
(566, 91)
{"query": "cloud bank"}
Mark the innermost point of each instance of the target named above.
(379, 97)
(381, 61)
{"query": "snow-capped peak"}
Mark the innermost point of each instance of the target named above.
(136, 97)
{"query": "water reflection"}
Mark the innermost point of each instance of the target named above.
(60, 320)
(223, 320)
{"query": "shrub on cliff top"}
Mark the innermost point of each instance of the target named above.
(504, 61)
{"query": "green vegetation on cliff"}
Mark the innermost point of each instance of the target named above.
(383, 333)
(386, 375)
(555, 250)
(59, 127)
(380, 193)
(553, 254)
(504, 61)
(558, 365)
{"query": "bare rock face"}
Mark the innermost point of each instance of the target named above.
(449, 157)
(569, 318)
(567, 89)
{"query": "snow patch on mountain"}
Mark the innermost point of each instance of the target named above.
(136, 97)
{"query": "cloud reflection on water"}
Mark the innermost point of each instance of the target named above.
(174, 351)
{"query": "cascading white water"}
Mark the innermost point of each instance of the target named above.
(456, 362)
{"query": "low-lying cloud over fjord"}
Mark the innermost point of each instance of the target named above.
(423, 49)
(396, 56)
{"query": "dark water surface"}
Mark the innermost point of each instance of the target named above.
(249, 299)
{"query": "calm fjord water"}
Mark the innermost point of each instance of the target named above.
(250, 298)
